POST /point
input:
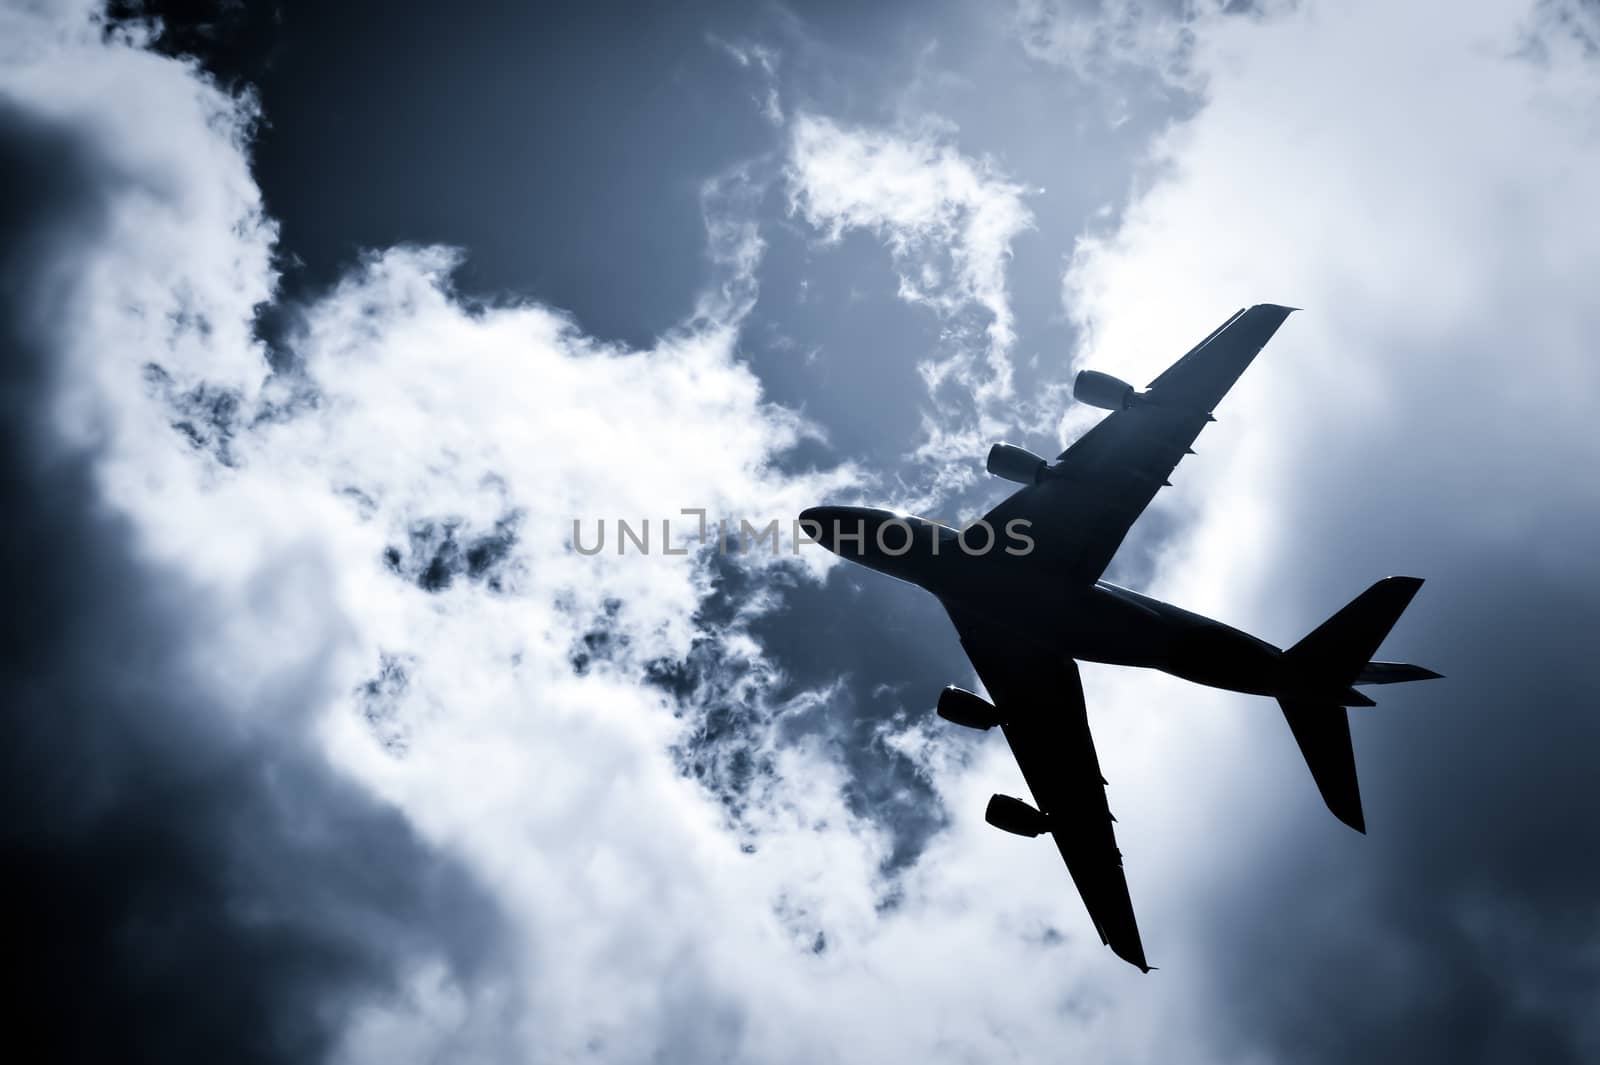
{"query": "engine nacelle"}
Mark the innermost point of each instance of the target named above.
(1102, 390)
(1015, 816)
(961, 707)
(1012, 463)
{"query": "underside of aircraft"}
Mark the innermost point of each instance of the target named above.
(1027, 599)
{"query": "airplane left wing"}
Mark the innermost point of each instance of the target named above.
(1040, 699)
(1080, 513)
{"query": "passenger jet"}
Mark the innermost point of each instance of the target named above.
(1027, 600)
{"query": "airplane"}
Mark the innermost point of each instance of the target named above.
(1029, 611)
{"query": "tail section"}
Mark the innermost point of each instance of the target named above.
(1324, 666)
(1394, 673)
(1323, 732)
(1341, 648)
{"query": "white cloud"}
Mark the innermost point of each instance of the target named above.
(638, 927)
(1420, 179)
(949, 221)
(758, 58)
(1427, 206)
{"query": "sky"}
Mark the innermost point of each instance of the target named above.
(332, 333)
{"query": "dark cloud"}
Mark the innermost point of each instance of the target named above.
(186, 880)
(1466, 926)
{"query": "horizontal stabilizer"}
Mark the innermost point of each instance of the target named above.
(1337, 652)
(1324, 665)
(1394, 673)
(1323, 733)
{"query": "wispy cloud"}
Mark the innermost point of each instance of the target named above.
(949, 221)
(1097, 38)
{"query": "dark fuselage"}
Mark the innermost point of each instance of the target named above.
(1003, 584)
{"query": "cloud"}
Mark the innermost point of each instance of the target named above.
(188, 878)
(760, 60)
(475, 795)
(327, 720)
(1418, 179)
(949, 221)
(280, 594)
(1097, 38)
(316, 665)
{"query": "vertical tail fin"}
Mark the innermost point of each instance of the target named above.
(1335, 656)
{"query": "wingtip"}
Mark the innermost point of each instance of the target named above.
(1132, 954)
(1406, 587)
(1347, 808)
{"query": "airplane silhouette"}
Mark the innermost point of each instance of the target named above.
(1025, 594)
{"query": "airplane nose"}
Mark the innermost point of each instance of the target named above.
(846, 531)
(820, 523)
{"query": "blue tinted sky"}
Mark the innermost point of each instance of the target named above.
(327, 321)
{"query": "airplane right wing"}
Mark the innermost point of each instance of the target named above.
(1080, 514)
(1040, 699)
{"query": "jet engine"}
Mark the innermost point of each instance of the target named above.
(1012, 463)
(961, 707)
(1102, 390)
(1015, 816)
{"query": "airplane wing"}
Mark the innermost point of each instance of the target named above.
(1080, 514)
(1041, 700)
